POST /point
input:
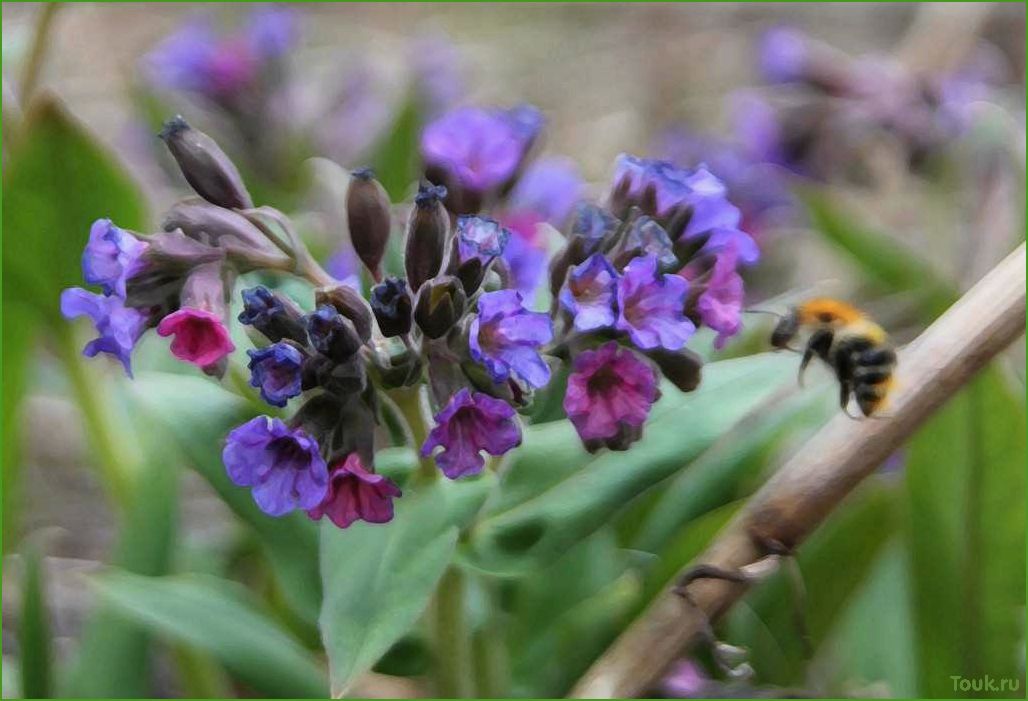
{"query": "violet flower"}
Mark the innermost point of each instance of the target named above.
(200, 336)
(610, 392)
(480, 237)
(470, 423)
(650, 306)
(111, 257)
(549, 188)
(355, 494)
(119, 326)
(479, 148)
(720, 305)
(277, 371)
(685, 680)
(282, 465)
(590, 294)
(783, 55)
(505, 338)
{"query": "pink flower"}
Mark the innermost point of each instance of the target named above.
(609, 396)
(720, 305)
(200, 336)
(354, 494)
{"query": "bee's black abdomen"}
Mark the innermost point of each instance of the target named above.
(871, 375)
(878, 356)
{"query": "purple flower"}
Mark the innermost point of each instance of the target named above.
(471, 423)
(548, 188)
(525, 253)
(646, 236)
(720, 305)
(344, 265)
(111, 257)
(119, 326)
(590, 293)
(610, 392)
(438, 75)
(480, 237)
(354, 494)
(283, 465)
(685, 680)
(505, 338)
(196, 59)
(783, 55)
(650, 306)
(480, 148)
(276, 370)
(272, 31)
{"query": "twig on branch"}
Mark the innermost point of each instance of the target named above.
(806, 490)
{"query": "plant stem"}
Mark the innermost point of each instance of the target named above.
(492, 664)
(454, 663)
(109, 454)
(37, 57)
(408, 401)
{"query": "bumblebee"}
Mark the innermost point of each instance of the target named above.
(849, 342)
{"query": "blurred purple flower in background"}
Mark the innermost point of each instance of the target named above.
(470, 423)
(344, 265)
(783, 55)
(720, 304)
(437, 75)
(610, 392)
(282, 465)
(685, 680)
(355, 494)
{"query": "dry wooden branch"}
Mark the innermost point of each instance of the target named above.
(806, 490)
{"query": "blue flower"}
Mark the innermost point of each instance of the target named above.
(277, 371)
(651, 306)
(480, 237)
(119, 326)
(283, 465)
(505, 338)
(111, 257)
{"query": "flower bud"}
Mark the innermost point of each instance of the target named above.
(273, 315)
(391, 302)
(440, 305)
(348, 302)
(367, 212)
(341, 379)
(683, 367)
(223, 228)
(332, 334)
(396, 369)
(426, 236)
(205, 166)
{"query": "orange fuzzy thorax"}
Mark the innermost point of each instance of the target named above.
(825, 310)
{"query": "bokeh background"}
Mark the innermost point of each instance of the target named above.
(919, 578)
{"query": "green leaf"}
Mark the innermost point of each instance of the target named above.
(113, 659)
(578, 498)
(34, 643)
(197, 414)
(378, 578)
(965, 493)
(395, 158)
(219, 617)
(880, 258)
(58, 182)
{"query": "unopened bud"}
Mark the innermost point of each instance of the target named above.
(367, 211)
(393, 307)
(275, 316)
(348, 302)
(207, 168)
(201, 221)
(440, 305)
(683, 368)
(426, 236)
(332, 334)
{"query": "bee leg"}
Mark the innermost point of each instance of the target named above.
(819, 344)
(844, 399)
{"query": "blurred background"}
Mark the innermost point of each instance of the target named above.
(877, 152)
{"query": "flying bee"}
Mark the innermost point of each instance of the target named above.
(849, 342)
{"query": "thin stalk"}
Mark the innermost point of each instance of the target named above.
(37, 55)
(109, 454)
(408, 401)
(454, 661)
(492, 663)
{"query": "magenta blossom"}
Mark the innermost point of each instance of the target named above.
(472, 422)
(610, 392)
(651, 306)
(283, 465)
(200, 336)
(720, 305)
(505, 338)
(355, 494)
(590, 294)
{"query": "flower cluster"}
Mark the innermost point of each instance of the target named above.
(833, 109)
(630, 284)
